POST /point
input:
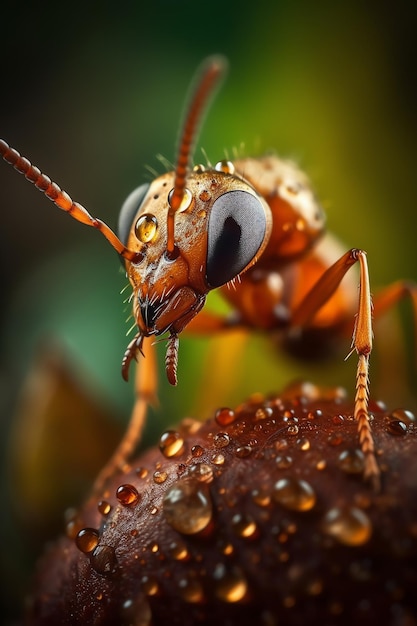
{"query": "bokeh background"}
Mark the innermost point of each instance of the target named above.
(92, 93)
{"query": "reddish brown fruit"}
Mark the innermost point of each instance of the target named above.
(260, 519)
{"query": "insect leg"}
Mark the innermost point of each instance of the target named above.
(361, 343)
(145, 394)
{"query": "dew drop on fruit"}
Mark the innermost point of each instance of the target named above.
(396, 427)
(171, 444)
(221, 440)
(403, 415)
(244, 526)
(202, 472)
(218, 459)
(159, 477)
(224, 416)
(350, 526)
(197, 451)
(191, 590)
(127, 495)
(294, 494)
(178, 551)
(103, 559)
(149, 585)
(230, 584)
(104, 507)
(87, 539)
(187, 506)
(351, 461)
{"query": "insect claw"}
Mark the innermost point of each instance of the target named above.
(131, 353)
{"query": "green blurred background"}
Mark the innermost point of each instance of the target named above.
(92, 93)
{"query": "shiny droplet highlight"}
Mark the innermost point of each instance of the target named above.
(87, 539)
(350, 526)
(103, 559)
(171, 444)
(294, 494)
(230, 584)
(146, 228)
(187, 506)
(127, 495)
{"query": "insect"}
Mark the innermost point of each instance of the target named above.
(252, 228)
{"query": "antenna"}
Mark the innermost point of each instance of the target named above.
(207, 79)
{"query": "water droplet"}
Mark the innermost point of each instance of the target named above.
(351, 461)
(127, 495)
(403, 415)
(294, 494)
(292, 429)
(303, 444)
(187, 506)
(159, 477)
(87, 539)
(231, 585)
(225, 416)
(221, 440)
(281, 444)
(149, 585)
(217, 459)
(142, 472)
(171, 444)
(73, 527)
(301, 390)
(202, 472)
(178, 551)
(263, 413)
(185, 202)
(335, 439)
(244, 525)
(349, 526)
(197, 451)
(283, 461)
(227, 549)
(136, 612)
(103, 559)
(243, 451)
(146, 228)
(261, 497)
(321, 464)
(154, 547)
(225, 166)
(205, 195)
(396, 427)
(191, 590)
(104, 507)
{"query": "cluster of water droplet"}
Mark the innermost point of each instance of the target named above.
(282, 447)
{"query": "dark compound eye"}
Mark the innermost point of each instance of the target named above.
(236, 231)
(128, 212)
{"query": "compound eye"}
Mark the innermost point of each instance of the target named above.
(128, 212)
(236, 231)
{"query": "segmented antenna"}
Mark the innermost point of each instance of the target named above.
(61, 199)
(208, 76)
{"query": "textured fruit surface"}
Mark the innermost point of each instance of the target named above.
(260, 516)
